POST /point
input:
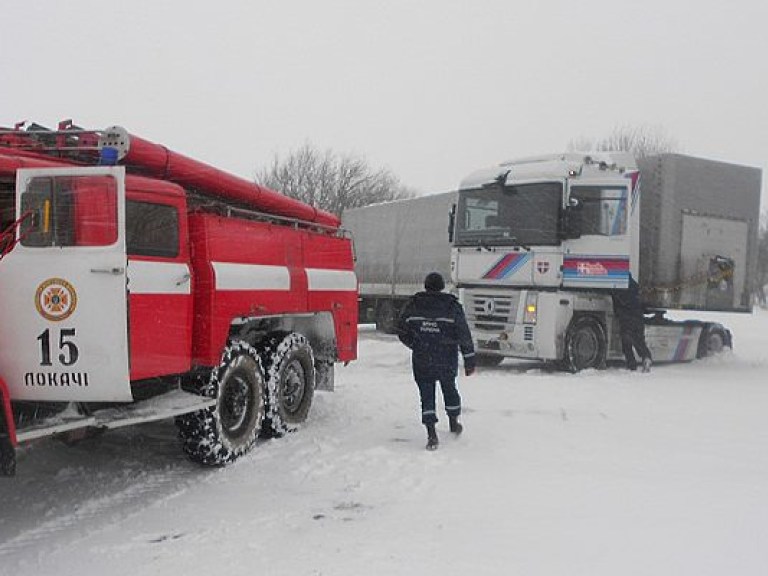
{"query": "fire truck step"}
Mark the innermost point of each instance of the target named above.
(173, 403)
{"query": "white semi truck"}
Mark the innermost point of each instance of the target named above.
(538, 244)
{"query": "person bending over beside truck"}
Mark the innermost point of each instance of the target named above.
(629, 312)
(434, 327)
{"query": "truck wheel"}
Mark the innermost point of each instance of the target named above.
(488, 360)
(713, 340)
(290, 385)
(386, 317)
(222, 433)
(7, 456)
(585, 344)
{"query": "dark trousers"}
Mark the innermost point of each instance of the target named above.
(632, 333)
(426, 379)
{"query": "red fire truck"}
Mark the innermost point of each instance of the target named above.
(139, 284)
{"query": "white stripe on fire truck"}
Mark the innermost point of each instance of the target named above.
(322, 279)
(158, 277)
(232, 276)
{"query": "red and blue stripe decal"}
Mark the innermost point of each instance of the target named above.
(682, 345)
(507, 265)
(596, 270)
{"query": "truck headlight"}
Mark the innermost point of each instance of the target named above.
(531, 301)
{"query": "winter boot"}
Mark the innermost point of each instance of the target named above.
(454, 425)
(432, 440)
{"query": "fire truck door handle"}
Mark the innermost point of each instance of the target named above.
(113, 271)
(184, 279)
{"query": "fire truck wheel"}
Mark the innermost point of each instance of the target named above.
(585, 344)
(220, 434)
(290, 385)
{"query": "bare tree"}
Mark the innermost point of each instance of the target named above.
(640, 140)
(331, 181)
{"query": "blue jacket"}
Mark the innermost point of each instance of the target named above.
(434, 327)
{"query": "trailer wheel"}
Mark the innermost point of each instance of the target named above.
(290, 371)
(227, 430)
(713, 340)
(386, 317)
(585, 344)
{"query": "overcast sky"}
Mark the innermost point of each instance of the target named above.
(431, 89)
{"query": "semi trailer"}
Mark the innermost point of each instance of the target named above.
(396, 245)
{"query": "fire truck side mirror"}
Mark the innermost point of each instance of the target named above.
(451, 222)
(571, 221)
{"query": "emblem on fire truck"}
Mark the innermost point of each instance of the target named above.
(55, 299)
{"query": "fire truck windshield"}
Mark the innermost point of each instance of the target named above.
(69, 211)
(524, 215)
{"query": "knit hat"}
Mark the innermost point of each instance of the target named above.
(434, 282)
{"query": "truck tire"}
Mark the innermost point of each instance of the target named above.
(714, 339)
(386, 317)
(220, 434)
(290, 369)
(7, 457)
(585, 344)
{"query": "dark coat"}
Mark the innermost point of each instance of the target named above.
(626, 303)
(434, 327)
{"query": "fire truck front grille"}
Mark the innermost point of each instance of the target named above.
(491, 311)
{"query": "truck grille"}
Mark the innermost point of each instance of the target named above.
(491, 311)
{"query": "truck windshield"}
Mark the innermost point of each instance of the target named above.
(524, 215)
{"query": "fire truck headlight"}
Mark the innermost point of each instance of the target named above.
(531, 309)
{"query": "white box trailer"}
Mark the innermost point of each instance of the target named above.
(396, 245)
(699, 223)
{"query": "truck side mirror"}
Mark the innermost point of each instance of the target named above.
(572, 221)
(451, 222)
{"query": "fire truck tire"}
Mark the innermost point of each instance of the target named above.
(585, 344)
(7, 456)
(220, 434)
(290, 370)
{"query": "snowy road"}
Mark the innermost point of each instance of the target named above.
(599, 473)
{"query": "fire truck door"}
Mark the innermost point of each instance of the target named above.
(63, 322)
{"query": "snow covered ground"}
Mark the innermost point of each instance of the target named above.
(598, 473)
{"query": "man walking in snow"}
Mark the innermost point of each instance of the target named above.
(629, 311)
(434, 327)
